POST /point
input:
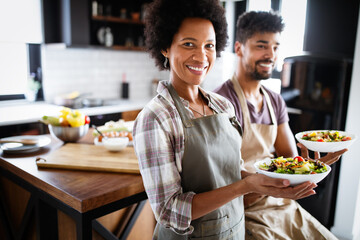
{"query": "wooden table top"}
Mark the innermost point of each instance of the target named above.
(82, 190)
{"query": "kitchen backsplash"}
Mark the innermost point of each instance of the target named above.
(100, 72)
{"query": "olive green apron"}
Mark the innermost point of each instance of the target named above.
(211, 160)
(268, 217)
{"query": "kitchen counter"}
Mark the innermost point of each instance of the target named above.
(20, 112)
(83, 195)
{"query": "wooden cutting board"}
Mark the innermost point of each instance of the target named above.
(90, 157)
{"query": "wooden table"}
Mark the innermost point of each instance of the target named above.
(82, 195)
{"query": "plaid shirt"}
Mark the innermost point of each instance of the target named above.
(159, 145)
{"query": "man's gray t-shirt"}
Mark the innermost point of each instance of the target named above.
(261, 117)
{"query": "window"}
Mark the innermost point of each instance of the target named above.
(13, 68)
(20, 24)
(294, 15)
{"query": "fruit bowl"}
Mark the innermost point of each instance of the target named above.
(294, 179)
(68, 134)
(325, 146)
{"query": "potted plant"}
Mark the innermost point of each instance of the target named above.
(33, 87)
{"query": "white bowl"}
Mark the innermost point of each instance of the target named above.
(294, 179)
(115, 144)
(96, 142)
(325, 146)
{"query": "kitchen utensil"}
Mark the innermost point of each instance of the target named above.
(96, 129)
(69, 100)
(22, 141)
(68, 134)
(92, 102)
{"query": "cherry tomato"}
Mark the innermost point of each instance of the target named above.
(87, 119)
(320, 140)
(299, 159)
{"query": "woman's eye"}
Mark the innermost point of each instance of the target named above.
(261, 46)
(210, 45)
(188, 44)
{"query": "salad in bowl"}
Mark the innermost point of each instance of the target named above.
(297, 170)
(325, 140)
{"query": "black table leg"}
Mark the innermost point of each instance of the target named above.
(47, 221)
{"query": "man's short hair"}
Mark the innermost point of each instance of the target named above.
(253, 22)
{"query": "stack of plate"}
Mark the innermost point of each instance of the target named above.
(18, 148)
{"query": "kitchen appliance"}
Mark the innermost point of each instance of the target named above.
(316, 89)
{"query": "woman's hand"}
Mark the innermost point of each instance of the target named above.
(277, 187)
(329, 159)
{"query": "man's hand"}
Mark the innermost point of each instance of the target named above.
(329, 159)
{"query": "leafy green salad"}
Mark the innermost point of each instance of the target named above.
(297, 165)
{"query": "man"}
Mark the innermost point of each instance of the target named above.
(264, 118)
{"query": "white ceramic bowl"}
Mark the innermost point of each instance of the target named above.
(68, 134)
(325, 146)
(294, 179)
(115, 144)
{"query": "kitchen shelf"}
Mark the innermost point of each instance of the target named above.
(117, 20)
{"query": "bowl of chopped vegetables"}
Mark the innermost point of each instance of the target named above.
(297, 170)
(325, 140)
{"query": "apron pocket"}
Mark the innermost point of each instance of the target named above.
(222, 228)
(214, 227)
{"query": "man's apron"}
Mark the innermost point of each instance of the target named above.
(211, 160)
(268, 217)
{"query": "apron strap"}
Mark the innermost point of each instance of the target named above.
(268, 102)
(185, 118)
(243, 102)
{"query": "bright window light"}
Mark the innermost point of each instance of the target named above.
(292, 38)
(20, 23)
(13, 67)
(294, 15)
(259, 5)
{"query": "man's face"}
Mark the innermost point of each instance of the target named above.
(259, 55)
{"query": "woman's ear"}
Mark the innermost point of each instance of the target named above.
(164, 53)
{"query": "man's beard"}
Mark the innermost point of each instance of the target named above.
(257, 75)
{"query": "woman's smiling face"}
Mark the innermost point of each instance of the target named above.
(192, 52)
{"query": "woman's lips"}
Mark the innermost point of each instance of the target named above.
(196, 69)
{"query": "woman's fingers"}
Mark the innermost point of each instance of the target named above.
(277, 187)
(272, 182)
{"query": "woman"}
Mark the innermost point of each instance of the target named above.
(187, 140)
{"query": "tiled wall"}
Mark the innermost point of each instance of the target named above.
(99, 72)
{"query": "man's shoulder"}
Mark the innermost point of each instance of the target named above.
(224, 87)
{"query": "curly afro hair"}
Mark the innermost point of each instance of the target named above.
(164, 17)
(253, 22)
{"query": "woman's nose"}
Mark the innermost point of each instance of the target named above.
(199, 55)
